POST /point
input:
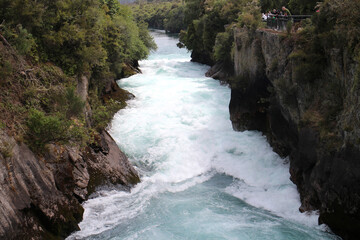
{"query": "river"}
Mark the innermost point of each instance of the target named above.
(199, 178)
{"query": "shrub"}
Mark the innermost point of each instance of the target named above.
(43, 129)
(6, 71)
(65, 101)
(24, 41)
(250, 16)
(223, 45)
(74, 104)
(102, 115)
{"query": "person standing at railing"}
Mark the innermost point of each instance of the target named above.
(264, 17)
(286, 11)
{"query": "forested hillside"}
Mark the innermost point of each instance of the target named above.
(210, 22)
(167, 15)
(60, 41)
(58, 63)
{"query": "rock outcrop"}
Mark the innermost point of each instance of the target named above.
(41, 192)
(41, 195)
(314, 122)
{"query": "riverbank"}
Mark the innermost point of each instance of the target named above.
(49, 167)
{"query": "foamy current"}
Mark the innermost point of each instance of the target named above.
(199, 178)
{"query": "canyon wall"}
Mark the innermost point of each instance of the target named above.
(314, 121)
(41, 196)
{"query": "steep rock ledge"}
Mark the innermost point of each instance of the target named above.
(41, 196)
(315, 123)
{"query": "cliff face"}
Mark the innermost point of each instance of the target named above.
(41, 193)
(41, 196)
(314, 122)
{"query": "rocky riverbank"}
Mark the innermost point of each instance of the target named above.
(312, 120)
(41, 196)
(41, 189)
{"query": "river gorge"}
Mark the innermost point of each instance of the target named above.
(199, 178)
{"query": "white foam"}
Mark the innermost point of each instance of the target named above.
(178, 133)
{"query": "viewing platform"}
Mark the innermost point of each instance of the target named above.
(279, 22)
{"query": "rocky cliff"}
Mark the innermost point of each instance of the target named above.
(41, 191)
(41, 196)
(313, 120)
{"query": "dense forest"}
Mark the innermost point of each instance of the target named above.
(209, 24)
(167, 15)
(53, 44)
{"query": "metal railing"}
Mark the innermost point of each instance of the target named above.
(279, 22)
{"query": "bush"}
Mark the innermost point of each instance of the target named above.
(248, 20)
(43, 129)
(223, 45)
(24, 41)
(74, 104)
(250, 16)
(6, 71)
(64, 101)
(102, 115)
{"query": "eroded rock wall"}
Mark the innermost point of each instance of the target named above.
(315, 123)
(41, 195)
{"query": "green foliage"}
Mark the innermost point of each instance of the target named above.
(161, 15)
(73, 103)
(175, 19)
(268, 5)
(102, 114)
(296, 6)
(144, 36)
(206, 19)
(339, 20)
(71, 33)
(250, 16)
(6, 70)
(24, 41)
(335, 26)
(43, 129)
(61, 41)
(223, 45)
(302, 6)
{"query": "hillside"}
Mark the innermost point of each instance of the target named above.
(58, 64)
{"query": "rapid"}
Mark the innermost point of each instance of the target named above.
(199, 178)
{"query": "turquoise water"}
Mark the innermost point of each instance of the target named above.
(200, 179)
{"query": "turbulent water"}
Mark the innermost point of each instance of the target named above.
(199, 178)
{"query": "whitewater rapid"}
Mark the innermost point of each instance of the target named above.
(199, 178)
